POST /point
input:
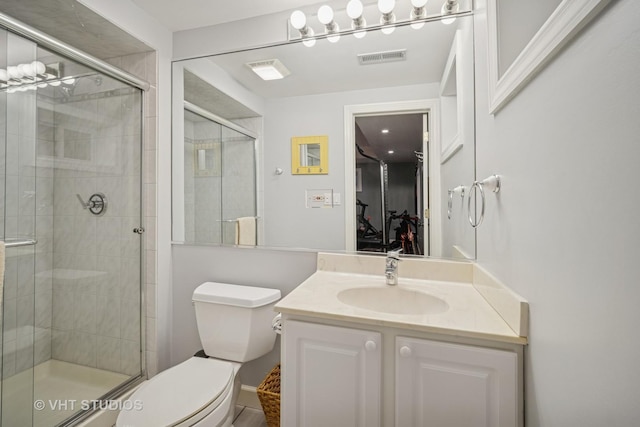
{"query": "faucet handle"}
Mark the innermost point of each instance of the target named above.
(394, 254)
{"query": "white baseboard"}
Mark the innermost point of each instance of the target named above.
(249, 397)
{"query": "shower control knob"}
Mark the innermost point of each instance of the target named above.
(138, 230)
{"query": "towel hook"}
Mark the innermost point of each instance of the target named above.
(492, 183)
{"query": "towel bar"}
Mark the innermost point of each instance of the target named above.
(19, 242)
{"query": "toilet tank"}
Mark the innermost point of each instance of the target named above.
(234, 321)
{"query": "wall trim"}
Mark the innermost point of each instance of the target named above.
(563, 24)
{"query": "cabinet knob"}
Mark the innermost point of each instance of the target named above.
(370, 345)
(405, 351)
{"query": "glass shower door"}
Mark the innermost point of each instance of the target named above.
(19, 315)
(70, 172)
(219, 181)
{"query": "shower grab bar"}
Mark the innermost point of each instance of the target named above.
(14, 243)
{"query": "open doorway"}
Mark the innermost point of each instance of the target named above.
(396, 187)
(389, 173)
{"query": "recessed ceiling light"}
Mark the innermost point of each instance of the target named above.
(385, 130)
(270, 69)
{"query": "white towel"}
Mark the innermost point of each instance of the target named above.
(246, 231)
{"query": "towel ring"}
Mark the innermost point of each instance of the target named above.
(492, 183)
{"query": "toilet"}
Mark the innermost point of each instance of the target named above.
(234, 324)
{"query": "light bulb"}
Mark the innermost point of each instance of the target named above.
(38, 67)
(386, 6)
(308, 40)
(333, 38)
(360, 34)
(355, 9)
(27, 70)
(453, 8)
(14, 73)
(388, 30)
(69, 81)
(55, 83)
(298, 20)
(418, 12)
(325, 15)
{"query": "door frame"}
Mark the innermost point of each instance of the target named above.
(431, 180)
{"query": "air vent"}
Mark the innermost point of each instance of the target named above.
(379, 57)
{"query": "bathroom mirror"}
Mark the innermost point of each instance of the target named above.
(331, 89)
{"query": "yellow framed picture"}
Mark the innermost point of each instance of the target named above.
(310, 155)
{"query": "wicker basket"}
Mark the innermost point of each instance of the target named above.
(269, 395)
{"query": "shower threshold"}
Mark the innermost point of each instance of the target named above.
(60, 389)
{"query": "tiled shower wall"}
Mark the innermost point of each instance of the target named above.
(87, 267)
(228, 191)
(96, 259)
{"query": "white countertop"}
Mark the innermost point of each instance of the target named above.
(469, 314)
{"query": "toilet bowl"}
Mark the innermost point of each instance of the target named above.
(234, 323)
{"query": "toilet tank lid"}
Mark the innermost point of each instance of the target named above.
(237, 295)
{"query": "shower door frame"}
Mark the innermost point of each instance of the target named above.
(56, 46)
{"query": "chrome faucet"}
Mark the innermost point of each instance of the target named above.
(391, 269)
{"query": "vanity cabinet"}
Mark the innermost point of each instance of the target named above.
(333, 375)
(444, 384)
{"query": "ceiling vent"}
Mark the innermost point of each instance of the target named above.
(379, 57)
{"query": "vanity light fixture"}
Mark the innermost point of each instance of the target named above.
(299, 22)
(30, 76)
(325, 16)
(358, 23)
(355, 16)
(269, 69)
(388, 18)
(419, 11)
(448, 8)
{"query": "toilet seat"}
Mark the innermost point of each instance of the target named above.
(181, 395)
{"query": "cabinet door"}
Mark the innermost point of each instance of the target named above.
(330, 376)
(441, 384)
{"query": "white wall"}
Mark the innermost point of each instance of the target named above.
(288, 222)
(564, 230)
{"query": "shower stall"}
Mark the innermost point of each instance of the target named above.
(219, 179)
(70, 220)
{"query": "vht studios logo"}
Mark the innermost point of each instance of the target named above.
(85, 405)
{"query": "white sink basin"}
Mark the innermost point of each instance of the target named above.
(393, 299)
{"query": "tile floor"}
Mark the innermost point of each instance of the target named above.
(249, 417)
